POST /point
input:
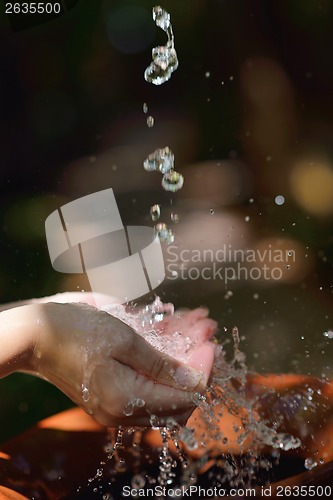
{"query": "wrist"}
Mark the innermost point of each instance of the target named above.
(18, 336)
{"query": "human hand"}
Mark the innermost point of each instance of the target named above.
(76, 345)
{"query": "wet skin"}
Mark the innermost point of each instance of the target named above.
(49, 338)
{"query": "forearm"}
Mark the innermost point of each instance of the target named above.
(17, 340)
(35, 338)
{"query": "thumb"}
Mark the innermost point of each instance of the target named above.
(158, 366)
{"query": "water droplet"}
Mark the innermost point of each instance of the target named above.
(139, 402)
(138, 481)
(154, 422)
(161, 160)
(310, 463)
(212, 212)
(328, 334)
(164, 63)
(174, 217)
(161, 229)
(158, 317)
(150, 121)
(187, 436)
(85, 393)
(161, 18)
(155, 212)
(279, 200)
(235, 336)
(166, 235)
(145, 107)
(165, 60)
(285, 441)
(172, 181)
(128, 410)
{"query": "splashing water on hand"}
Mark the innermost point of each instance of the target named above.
(227, 394)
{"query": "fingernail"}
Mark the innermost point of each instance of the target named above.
(188, 378)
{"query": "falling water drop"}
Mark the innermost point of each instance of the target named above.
(328, 334)
(166, 235)
(155, 212)
(161, 160)
(174, 217)
(150, 121)
(172, 181)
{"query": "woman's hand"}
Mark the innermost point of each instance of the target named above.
(124, 379)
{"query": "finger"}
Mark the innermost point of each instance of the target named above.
(197, 328)
(202, 330)
(79, 297)
(183, 319)
(118, 395)
(134, 351)
(202, 359)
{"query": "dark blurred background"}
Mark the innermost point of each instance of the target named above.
(249, 117)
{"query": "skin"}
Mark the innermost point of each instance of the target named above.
(48, 338)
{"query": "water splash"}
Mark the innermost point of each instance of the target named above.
(165, 60)
(184, 452)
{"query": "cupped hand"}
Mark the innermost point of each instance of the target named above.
(125, 380)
